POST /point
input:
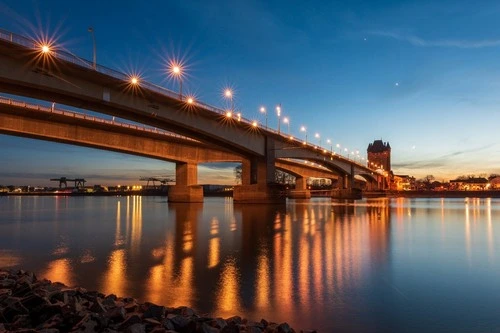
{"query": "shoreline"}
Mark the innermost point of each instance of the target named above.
(28, 304)
(366, 194)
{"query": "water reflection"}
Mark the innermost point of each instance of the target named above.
(349, 266)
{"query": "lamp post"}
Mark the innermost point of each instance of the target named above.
(94, 64)
(331, 145)
(340, 150)
(176, 71)
(263, 110)
(317, 136)
(304, 129)
(287, 121)
(278, 112)
(229, 94)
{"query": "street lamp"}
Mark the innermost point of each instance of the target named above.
(331, 145)
(229, 94)
(278, 112)
(319, 139)
(304, 129)
(263, 110)
(94, 64)
(340, 150)
(176, 71)
(286, 121)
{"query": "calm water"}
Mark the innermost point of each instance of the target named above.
(385, 265)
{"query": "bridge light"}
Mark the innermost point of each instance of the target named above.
(45, 48)
(229, 114)
(239, 116)
(134, 80)
(190, 100)
(254, 123)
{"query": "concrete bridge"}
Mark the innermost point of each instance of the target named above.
(60, 77)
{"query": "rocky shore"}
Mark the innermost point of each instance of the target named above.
(28, 304)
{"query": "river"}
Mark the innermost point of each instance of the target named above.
(375, 265)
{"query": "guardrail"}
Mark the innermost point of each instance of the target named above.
(69, 57)
(41, 108)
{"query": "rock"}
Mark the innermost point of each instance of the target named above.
(97, 307)
(254, 329)
(231, 327)
(34, 301)
(168, 324)
(183, 324)
(131, 319)
(136, 328)
(154, 311)
(218, 323)
(235, 319)
(284, 328)
(205, 328)
(22, 289)
(7, 283)
(28, 305)
(12, 310)
(117, 314)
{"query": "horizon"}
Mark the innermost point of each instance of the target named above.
(419, 75)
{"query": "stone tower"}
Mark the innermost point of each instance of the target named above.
(379, 153)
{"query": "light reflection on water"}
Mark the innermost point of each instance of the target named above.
(374, 265)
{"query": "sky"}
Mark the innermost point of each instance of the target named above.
(421, 75)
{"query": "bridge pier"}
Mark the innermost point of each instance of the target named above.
(257, 178)
(186, 188)
(300, 191)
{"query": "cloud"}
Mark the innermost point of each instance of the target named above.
(441, 161)
(457, 43)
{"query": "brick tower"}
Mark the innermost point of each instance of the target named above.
(379, 153)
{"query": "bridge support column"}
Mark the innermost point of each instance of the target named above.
(301, 191)
(186, 188)
(347, 191)
(257, 178)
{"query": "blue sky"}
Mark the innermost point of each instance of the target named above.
(423, 75)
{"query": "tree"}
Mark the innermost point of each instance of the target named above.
(237, 173)
(427, 181)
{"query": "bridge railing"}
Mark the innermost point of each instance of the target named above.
(69, 57)
(41, 108)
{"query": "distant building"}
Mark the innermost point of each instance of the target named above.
(379, 153)
(403, 183)
(469, 184)
(495, 183)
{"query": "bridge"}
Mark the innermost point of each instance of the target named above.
(207, 133)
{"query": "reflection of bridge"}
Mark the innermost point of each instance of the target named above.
(207, 133)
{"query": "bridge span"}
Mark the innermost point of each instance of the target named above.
(57, 76)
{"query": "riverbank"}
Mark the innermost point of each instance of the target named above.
(28, 304)
(444, 194)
